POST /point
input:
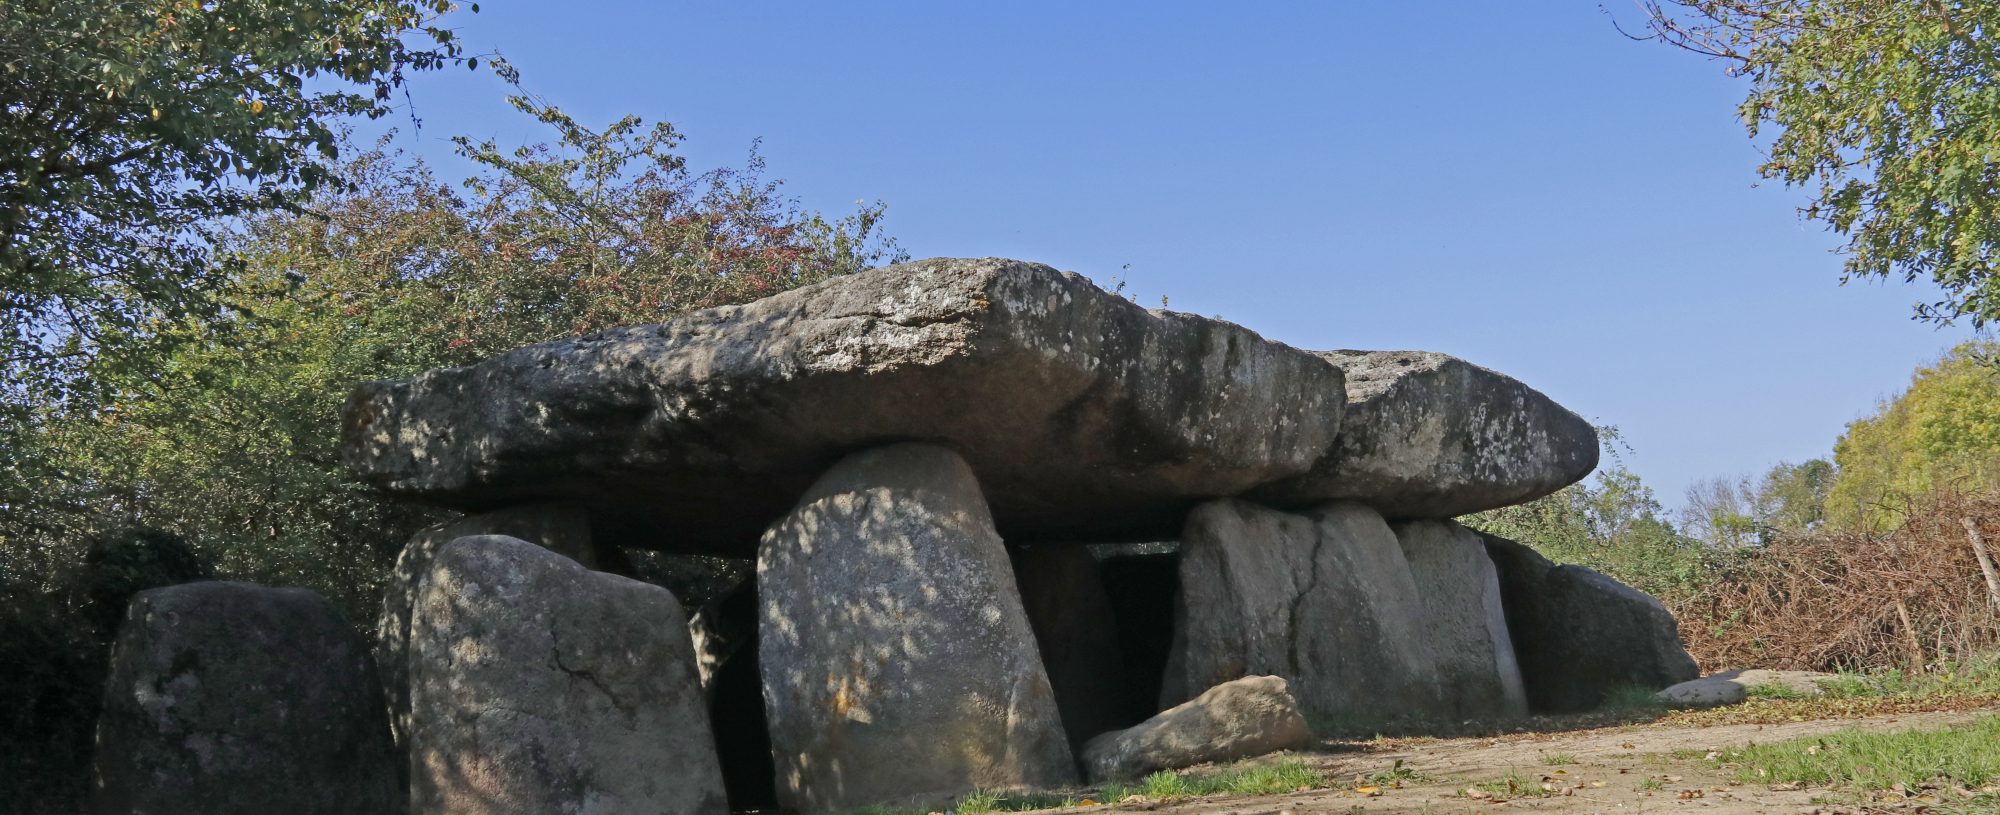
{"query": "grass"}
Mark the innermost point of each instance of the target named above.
(1512, 785)
(1969, 685)
(1285, 775)
(1651, 784)
(1397, 775)
(1558, 759)
(1965, 756)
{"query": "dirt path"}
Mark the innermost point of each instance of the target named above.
(1610, 772)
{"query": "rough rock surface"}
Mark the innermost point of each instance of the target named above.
(1238, 719)
(898, 663)
(1080, 411)
(561, 528)
(232, 698)
(1076, 632)
(1730, 687)
(1432, 436)
(1579, 634)
(1324, 599)
(1464, 619)
(540, 686)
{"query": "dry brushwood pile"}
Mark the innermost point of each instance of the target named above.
(1915, 597)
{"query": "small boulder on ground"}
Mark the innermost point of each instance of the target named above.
(1429, 435)
(226, 697)
(1579, 635)
(898, 662)
(537, 685)
(1239, 719)
(1731, 687)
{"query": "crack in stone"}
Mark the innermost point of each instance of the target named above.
(586, 675)
(1299, 599)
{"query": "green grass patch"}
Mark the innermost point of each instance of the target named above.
(1968, 755)
(1773, 691)
(1397, 775)
(1260, 779)
(1558, 759)
(1513, 785)
(1652, 784)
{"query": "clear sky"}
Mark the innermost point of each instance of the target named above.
(1513, 183)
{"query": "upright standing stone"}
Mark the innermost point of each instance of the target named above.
(1581, 634)
(898, 663)
(540, 686)
(1077, 635)
(232, 698)
(1323, 599)
(1463, 618)
(562, 528)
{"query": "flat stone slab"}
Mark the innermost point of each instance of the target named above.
(1085, 416)
(1731, 687)
(1429, 435)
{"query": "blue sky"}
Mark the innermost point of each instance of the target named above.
(1513, 183)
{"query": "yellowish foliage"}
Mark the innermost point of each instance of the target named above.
(1942, 432)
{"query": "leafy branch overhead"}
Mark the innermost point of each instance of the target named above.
(130, 128)
(1888, 111)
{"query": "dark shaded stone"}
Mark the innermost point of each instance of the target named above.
(1579, 634)
(1080, 412)
(1428, 435)
(225, 697)
(725, 641)
(1142, 588)
(1077, 635)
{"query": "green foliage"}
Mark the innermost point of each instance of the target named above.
(1611, 523)
(1944, 432)
(131, 126)
(1889, 111)
(228, 439)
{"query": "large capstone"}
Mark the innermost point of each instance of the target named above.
(1580, 635)
(1324, 599)
(232, 698)
(562, 528)
(1463, 618)
(1081, 412)
(540, 686)
(1432, 436)
(898, 663)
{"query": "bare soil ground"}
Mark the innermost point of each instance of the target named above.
(1639, 768)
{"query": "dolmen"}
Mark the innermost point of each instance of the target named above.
(1000, 520)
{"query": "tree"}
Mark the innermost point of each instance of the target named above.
(1790, 499)
(1889, 111)
(129, 129)
(1942, 433)
(1611, 523)
(229, 440)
